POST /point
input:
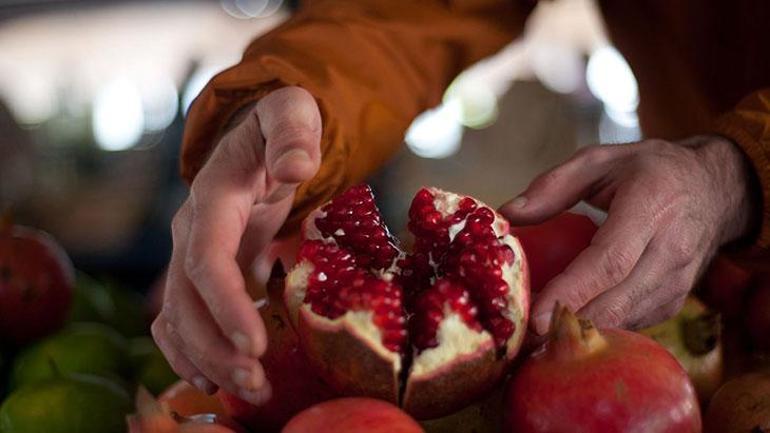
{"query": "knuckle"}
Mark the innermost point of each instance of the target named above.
(294, 94)
(594, 154)
(196, 266)
(683, 248)
(615, 266)
(614, 315)
(288, 134)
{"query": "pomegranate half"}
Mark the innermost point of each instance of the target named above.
(432, 329)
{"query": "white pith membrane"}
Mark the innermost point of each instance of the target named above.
(456, 340)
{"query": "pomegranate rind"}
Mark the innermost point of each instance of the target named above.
(347, 351)
(350, 361)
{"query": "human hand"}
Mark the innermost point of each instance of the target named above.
(208, 328)
(670, 206)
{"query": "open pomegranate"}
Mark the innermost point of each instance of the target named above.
(432, 329)
(609, 381)
(36, 284)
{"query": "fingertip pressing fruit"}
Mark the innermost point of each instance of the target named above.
(604, 381)
(295, 386)
(353, 415)
(432, 329)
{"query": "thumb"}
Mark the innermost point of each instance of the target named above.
(290, 123)
(563, 186)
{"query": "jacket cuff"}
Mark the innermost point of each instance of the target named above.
(742, 132)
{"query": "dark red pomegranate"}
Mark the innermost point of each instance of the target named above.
(758, 314)
(609, 381)
(36, 284)
(432, 329)
(726, 285)
(294, 385)
(551, 246)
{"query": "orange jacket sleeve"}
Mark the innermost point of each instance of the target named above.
(372, 65)
(748, 125)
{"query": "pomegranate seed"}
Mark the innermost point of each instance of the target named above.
(354, 221)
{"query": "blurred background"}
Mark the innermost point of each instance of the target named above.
(93, 96)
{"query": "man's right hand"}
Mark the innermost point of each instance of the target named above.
(208, 328)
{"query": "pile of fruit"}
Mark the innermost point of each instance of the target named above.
(368, 335)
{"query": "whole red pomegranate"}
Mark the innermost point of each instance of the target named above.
(726, 285)
(295, 386)
(758, 314)
(551, 246)
(36, 284)
(588, 381)
(353, 415)
(432, 329)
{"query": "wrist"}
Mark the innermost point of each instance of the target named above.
(736, 185)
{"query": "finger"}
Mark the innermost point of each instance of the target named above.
(222, 198)
(178, 362)
(649, 295)
(564, 186)
(615, 249)
(291, 125)
(211, 354)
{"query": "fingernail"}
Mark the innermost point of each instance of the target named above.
(257, 397)
(204, 385)
(519, 202)
(241, 343)
(293, 157)
(246, 379)
(260, 303)
(542, 322)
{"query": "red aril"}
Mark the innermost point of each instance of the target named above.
(552, 245)
(353, 415)
(432, 329)
(591, 381)
(294, 385)
(36, 284)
